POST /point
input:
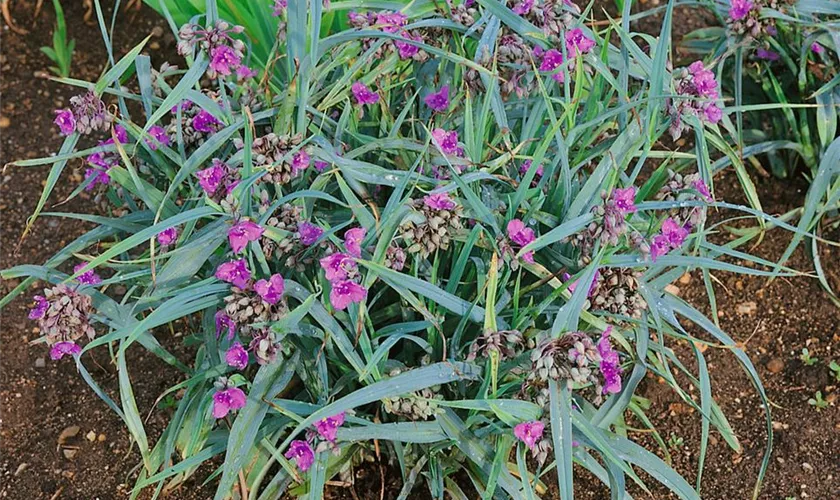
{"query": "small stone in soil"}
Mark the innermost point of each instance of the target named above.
(775, 365)
(68, 433)
(40, 363)
(91, 436)
(70, 453)
(746, 308)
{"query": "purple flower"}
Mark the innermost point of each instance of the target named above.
(739, 9)
(40, 307)
(529, 432)
(353, 241)
(309, 233)
(767, 55)
(205, 122)
(235, 272)
(439, 201)
(211, 178)
(224, 322)
(223, 59)
(703, 189)
(363, 94)
(447, 141)
(712, 113)
(816, 48)
(237, 356)
(88, 277)
(523, 7)
(279, 7)
(438, 101)
(242, 232)
(244, 72)
(704, 80)
(61, 349)
(302, 453)
(328, 427)
(272, 289)
(407, 50)
(592, 287)
(337, 265)
(65, 120)
(391, 22)
(300, 161)
(674, 233)
(659, 247)
(521, 235)
(167, 236)
(320, 166)
(610, 365)
(624, 200)
(526, 166)
(577, 43)
(553, 60)
(345, 292)
(228, 400)
(157, 135)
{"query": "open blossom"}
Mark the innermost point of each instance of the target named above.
(391, 22)
(592, 287)
(767, 55)
(624, 200)
(88, 277)
(703, 189)
(353, 241)
(224, 59)
(577, 43)
(242, 232)
(346, 292)
(224, 322)
(816, 48)
(526, 166)
(302, 453)
(405, 49)
(739, 9)
(438, 101)
(337, 265)
(300, 161)
(40, 307)
(157, 136)
(236, 356)
(66, 121)
(244, 72)
(363, 94)
(529, 432)
(167, 236)
(205, 122)
(439, 201)
(523, 7)
(521, 235)
(279, 7)
(61, 349)
(320, 165)
(309, 233)
(552, 60)
(271, 290)
(447, 141)
(328, 427)
(228, 400)
(210, 178)
(671, 237)
(610, 365)
(235, 272)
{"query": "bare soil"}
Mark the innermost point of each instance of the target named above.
(42, 399)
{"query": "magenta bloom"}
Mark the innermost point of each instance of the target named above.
(40, 307)
(447, 141)
(572, 287)
(363, 94)
(552, 59)
(224, 322)
(320, 166)
(300, 161)
(624, 200)
(438, 101)
(659, 247)
(235, 272)
(439, 201)
(408, 50)
(167, 236)
(521, 235)
(242, 232)
(244, 72)
(337, 265)
(703, 189)
(272, 289)
(328, 427)
(88, 277)
(391, 22)
(610, 365)
(815, 48)
(228, 400)
(279, 7)
(767, 55)
(526, 166)
(302, 453)
(157, 135)
(353, 241)
(713, 113)
(61, 349)
(346, 292)
(65, 120)
(523, 7)
(237, 356)
(739, 9)
(674, 233)
(309, 233)
(529, 432)
(224, 60)
(205, 122)
(703, 79)
(577, 43)
(210, 178)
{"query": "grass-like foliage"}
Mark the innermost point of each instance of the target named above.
(438, 237)
(61, 52)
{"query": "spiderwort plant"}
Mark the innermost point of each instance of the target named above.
(451, 278)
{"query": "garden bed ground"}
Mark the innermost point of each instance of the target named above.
(42, 399)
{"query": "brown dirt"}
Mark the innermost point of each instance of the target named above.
(39, 403)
